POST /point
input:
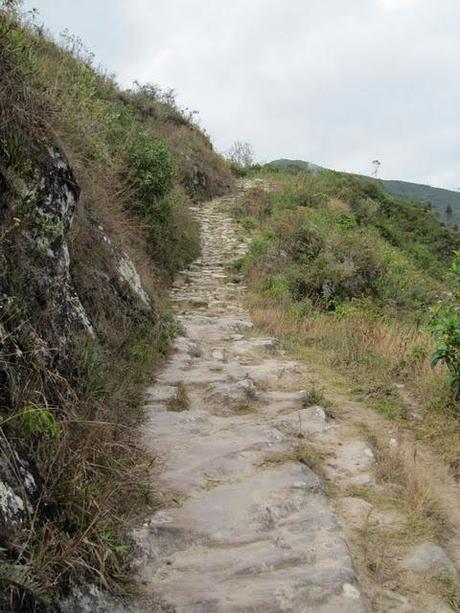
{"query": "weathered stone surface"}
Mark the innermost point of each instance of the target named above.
(88, 599)
(305, 421)
(125, 278)
(45, 220)
(355, 510)
(251, 529)
(428, 558)
(392, 602)
(352, 463)
(35, 281)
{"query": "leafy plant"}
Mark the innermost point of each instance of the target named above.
(152, 169)
(249, 223)
(37, 420)
(446, 326)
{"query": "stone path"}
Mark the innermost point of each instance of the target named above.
(248, 528)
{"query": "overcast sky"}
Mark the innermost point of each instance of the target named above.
(335, 82)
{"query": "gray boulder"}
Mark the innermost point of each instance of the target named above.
(428, 558)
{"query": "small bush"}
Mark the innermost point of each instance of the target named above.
(315, 396)
(277, 287)
(446, 326)
(151, 169)
(249, 223)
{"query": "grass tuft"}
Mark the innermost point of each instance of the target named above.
(304, 452)
(180, 401)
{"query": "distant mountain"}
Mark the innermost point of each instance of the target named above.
(285, 164)
(439, 198)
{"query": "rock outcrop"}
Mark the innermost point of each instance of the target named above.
(43, 320)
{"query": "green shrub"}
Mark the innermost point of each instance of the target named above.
(303, 308)
(297, 236)
(260, 246)
(238, 170)
(277, 287)
(173, 233)
(446, 326)
(346, 221)
(151, 169)
(249, 223)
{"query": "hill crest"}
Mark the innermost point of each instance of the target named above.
(439, 198)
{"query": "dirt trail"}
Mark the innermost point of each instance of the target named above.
(231, 421)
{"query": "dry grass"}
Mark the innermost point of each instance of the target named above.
(380, 546)
(87, 474)
(401, 348)
(374, 355)
(406, 510)
(315, 395)
(243, 408)
(450, 589)
(180, 401)
(407, 482)
(304, 452)
(307, 454)
(335, 204)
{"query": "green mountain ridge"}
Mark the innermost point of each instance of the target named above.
(439, 198)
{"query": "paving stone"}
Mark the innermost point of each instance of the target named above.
(245, 533)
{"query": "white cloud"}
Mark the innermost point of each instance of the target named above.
(396, 5)
(332, 82)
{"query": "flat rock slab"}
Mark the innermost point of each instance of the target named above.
(311, 420)
(429, 558)
(352, 463)
(268, 540)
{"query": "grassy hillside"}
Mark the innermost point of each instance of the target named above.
(95, 187)
(340, 267)
(437, 198)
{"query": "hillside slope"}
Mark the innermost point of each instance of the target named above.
(353, 283)
(95, 187)
(361, 276)
(439, 198)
